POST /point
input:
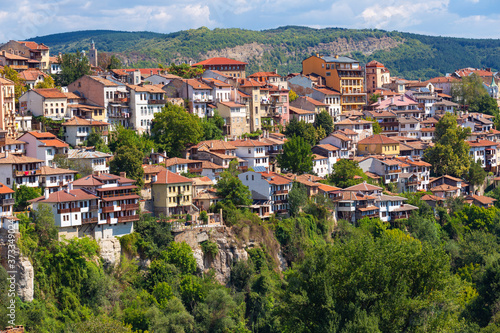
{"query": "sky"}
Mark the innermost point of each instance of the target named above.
(23, 19)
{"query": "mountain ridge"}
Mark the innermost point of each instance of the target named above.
(409, 55)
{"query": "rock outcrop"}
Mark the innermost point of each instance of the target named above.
(110, 251)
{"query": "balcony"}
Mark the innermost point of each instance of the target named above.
(277, 202)
(108, 209)
(7, 202)
(281, 192)
(117, 195)
(74, 209)
(63, 211)
(283, 211)
(393, 171)
(412, 183)
(94, 207)
(130, 207)
(157, 101)
(195, 170)
(24, 173)
(89, 220)
(130, 218)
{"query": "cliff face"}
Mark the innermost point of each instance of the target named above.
(232, 244)
(24, 270)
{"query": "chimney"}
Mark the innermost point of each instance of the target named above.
(70, 186)
(6, 153)
(123, 174)
(46, 194)
(317, 55)
(275, 71)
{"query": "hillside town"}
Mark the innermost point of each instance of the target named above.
(382, 125)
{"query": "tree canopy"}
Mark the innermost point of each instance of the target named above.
(230, 188)
(174, 129)
(450, 153)
(325, 121)
(296, 156)
(185, 71)
(343, 173)
(73, 66)
(128, 159)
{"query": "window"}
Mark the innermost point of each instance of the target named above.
(8, 181)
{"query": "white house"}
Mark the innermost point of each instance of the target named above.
(145, 101)
(19, 169)
(7, 219)
(341, 141)
(253, 151)
(330, 152)
(77, 130)
(94, 159)
(50, 103)
(44, 146)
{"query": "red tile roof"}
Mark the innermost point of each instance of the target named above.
(34, 45)
(42, 135)
(219, 61)
(5, 190)
(64, 196)
(54, 143)
(50, 93)
(482, 143)
(167, 177)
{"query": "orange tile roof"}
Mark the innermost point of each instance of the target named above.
(77, 121)
(50, 93)
(362, 187)
(34, 45)
(47, 171)
(375, 63)
(249, 143)
(482, 199)
(444, 188)
(42, 135)
(264, 74)
(54, 143)
(216, 145)
(167, 177)
(219, 61)
(315, 102)
(429, 197)
(327, 91)
(378, 139)
(328, 188)
(299, 111)
(328, 147)
(178, 160)
(196, 84)
(5, 190)
(481, 143)
(32, 74)
(152, 168)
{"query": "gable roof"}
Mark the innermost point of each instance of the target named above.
(167, 177)
(77, 121)
(49, 93)
(363, 187)
(67, 196)
(219, 61)
(378, 139)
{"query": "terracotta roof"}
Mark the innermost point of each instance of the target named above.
(299, 111)
(327, 91)
(54, 143)
(264, 74)
(64, 196)
(41, 135)
(177, 161)
(375, 63)
(443, 79)
(199, 181)
(340, 135)
(34, 45)
(108, 176)
(5, 190)
(11, 56)
(275, 179)
(87, 181)
(150, 88)
(151, 168)
(5, 81)
(210, 165)
(353, 122)
(32, 75)
(215, 82)
(444, 188)
(363, 187)
(233, 104)
(429, 197)
(219, 61)
(103, 81)
(167, 177)
(365, 209)
(17, 159)
(315, 102)
(378, 139)
(47, 171)
(50, 93)
(328, 147)
(197, 84)
(216, 145)
(428, 129)
(77, 121)
(481, 143)
(250, 83)
(328, 188)
(481, 199)
(10, 141)
(249, 143)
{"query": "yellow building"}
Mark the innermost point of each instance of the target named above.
(378, 145)
(342, 74)
(171, 193)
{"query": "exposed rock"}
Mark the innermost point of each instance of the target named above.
(110, 250)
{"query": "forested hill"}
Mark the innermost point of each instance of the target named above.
(408, 55)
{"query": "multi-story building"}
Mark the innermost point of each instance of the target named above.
(269, 186)
(378, 144)
(302, 115)
(272, 78)
(171, 193)
(6, 204)
(392, 208)
(96, 160)
(19, 169)
(484, 152)
(13, 146)
(388, 169)
(48, 102)
(236, 118)
(117, 204)
(7, 107)
(78, 107)
(388, 121)
(55, 179)
(252, 151)
(330, 152)
(16, 62)
(77, 130)
(44, 146)
(32, 77)
(37, 53)
(112, 96)
(230, 67)
(376, 76)
(409, 127)
(198, 93)
(310, 104)
(363, 128)
(331, 98)
(345, 144)
(342, 74)
(145, 101)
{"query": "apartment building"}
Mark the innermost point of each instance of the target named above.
(343, 74)
(44, 146)
(376, 76)
(77, 130)
(145, 102)
(6, 208)
(378, 145)
(49, 102)
(171, 193)
(55, 179)
(230, 67)
(7, 108)
(96, 160)
(19, 169)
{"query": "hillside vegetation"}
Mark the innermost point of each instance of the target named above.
(409, 55)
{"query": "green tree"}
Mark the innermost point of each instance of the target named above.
(468, 90)
(107, 61)
(128, 159)
(122, 136)
(450, 153)
(484, 104)
(304, 130)
(343, 173)
(48, 82)
(45, 226)
(95, 140)
(185, 71)
(292, 96)
(230, 188)
(377, 129)
(297, 198)
(476, 174)
(327, 293)
(296, 156)
(325, 121)
(23, 194)
(212, 127)
(19, 83)
(174, 129)
(374, 98)
(73, 66)
(62, 161)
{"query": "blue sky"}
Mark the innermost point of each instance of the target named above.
(459, 18)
